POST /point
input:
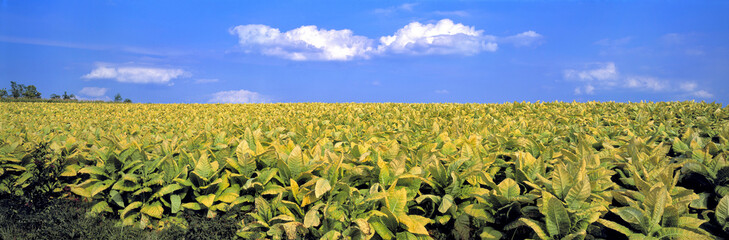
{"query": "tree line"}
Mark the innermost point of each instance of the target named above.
(21, 91)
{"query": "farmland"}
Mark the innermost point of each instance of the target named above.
(385, 170)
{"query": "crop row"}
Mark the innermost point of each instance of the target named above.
(384, 171)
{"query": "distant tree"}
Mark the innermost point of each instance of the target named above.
(3, 93)
(31, 92)
(68, 97)
(127, 100)
(16, 89)
(55, 96)
(118, 98)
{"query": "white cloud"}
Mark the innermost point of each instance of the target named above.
(525, 39)
(587, 89)
(238, 96)
(642, 82)
(606, 71)
(303, 43)
(606, 76)
(688, 86)
(136, 74)
(702, 94)
(206, 80)
(93, 91)
(100, 98)
(614, 42)
(313, 43)
(444, 37)
(442, 91)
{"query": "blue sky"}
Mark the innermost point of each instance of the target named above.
(368, 51)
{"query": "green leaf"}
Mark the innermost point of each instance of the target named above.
(702, 202)
(660, 204)
(380, 228)
(557, 218)
(478, 212)
(679, 146)
(535, 226)
(446, 203)
(166, 190)
(175, 203)
(203, 167)
(93, 170)
(192, 206)
(630, 215)
(129, 208)
(615, 226)
(509, 188)
(322, 187)
(100, 207)
(490, 234)
(579, 192)
(722, 211)
(462, 227)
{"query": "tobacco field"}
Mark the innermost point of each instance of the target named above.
(382, 170)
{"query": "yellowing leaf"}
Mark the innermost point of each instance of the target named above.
(322, 187)
(206, 200)
(154, 210)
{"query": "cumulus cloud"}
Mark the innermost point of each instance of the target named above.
(443, 37)
(587, 89)
(442, 91)
(613, 42)
(238, 96)
(313, 43)
(604, 72)
(702, 94)
(688, 86)
(642, 82)
(605, 76)
(135, 74)
(303, 43)
(525, 39)
(93, 91)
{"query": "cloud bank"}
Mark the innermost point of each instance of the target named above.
(312, 43)
(238, 96)
(136, 74)
(93, 91)
(605, 76)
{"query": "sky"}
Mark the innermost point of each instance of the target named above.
(368, 51)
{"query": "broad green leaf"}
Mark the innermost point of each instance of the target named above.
(579, 192)
(130, 207)
(722, 211)
(557, 218)
(490, 233)
(175, 203)
(615, 226)
(446, 203)
(381, 229)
